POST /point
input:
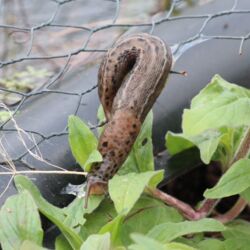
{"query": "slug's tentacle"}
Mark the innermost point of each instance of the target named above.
(131, 77)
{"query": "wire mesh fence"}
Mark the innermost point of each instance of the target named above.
(45, 42)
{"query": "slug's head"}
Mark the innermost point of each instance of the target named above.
(96, 186)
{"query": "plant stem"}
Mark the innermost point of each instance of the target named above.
(242, 152)
(208, 205)
(244, 147)
(186, 210)
(233, 212)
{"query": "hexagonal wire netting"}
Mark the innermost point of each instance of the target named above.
(43, 42)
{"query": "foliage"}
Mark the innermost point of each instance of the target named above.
(22, 81)
(130, 218)
(5, 115)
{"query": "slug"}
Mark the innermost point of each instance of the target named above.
(131, 77)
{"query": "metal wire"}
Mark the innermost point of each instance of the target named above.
(83, 48)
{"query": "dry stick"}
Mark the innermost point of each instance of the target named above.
(65, 172)
(31, 138)
(208, 205)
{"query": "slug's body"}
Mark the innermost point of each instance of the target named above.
(131, 77)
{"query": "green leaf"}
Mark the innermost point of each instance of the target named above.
(176, 143)
(147, 213)
(5, 115)
(81, 139)
(214, 123)
(246, 194)
(209, 244)
(207, 142)
(169, 231)
(237, 229)
(95, 156)
(100, 217)
(97, 242)
(53, 213)
(114, 228)
(75, 211)
(237, 235)
(234, 181)
(29, 245)
(237, 244)
(62, 243)
(125, 190)
(19, 221)
(145, 243)
(178, 246)
(219, 104)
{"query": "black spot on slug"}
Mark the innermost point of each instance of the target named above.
(105, 144)
(140, 39)
(100, 172)
(144, 141)
(113, 80)
(132, 134)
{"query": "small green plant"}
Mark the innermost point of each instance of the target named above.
(22, 81)
(4, 115)
(25, 80)
(217, 123)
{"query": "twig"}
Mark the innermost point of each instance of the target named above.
(66, 172)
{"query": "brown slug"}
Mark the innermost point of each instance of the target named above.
(131, 77)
